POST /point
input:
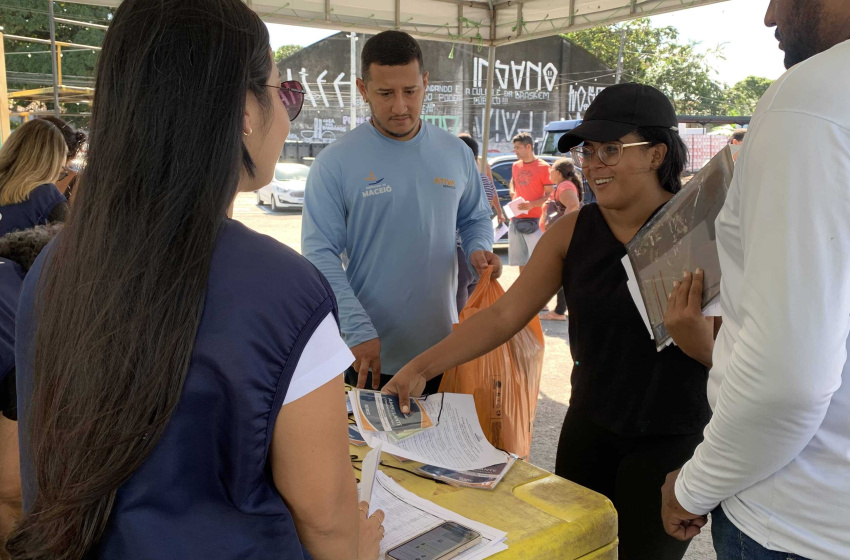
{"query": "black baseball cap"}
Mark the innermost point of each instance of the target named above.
(619, 110)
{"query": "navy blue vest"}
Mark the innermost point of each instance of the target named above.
(11, 277)
(32, 212)
(206, 491)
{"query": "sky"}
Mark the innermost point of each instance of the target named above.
(750, 48)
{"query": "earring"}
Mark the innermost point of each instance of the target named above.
(249, 133)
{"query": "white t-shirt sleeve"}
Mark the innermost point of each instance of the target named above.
(325, 357)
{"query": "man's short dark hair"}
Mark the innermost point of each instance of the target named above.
(738, 134)
(469, 141)
(390, 48)
(524, 138)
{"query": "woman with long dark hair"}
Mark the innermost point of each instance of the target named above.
(174, 366)
(635, 414)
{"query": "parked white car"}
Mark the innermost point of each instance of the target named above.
(286, 189)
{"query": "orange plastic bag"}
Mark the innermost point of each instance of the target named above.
(504, 382)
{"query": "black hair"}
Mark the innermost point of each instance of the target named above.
(23, 246)
(390, 48)
(670, 172)
(739, 134)
(469, 141)
(74, 139)
(524, 138)
(567, 168)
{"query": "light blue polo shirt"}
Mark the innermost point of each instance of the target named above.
(392, 209)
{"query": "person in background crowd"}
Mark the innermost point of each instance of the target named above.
(18, 250)
(394, 214)
(635, 413)
(737, 137)
(31, 160)
(565, 199)
(486, 180)
(529, 180)
(75, 140)
(160, 415)
(773, 469)
(466, 280)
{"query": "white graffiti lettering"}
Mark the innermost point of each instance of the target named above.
(517, 75)
(440, 89)
(581, 97)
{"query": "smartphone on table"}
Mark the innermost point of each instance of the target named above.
(440, 543)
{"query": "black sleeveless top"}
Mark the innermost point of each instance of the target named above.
(619, 380)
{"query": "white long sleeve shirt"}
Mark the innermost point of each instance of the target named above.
(777, 451)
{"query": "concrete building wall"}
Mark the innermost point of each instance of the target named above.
(535, 82)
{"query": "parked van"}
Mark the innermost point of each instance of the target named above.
(552, 132)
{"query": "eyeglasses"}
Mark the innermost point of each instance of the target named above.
(609, 153)
(292, 96)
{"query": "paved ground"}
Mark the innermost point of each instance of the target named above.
(554, 386)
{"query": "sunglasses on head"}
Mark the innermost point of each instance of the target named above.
(292, 96)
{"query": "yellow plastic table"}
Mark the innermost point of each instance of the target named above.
(545, 516)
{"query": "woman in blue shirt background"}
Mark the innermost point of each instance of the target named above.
(31, 161)
(174, 366)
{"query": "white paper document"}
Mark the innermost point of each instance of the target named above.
(512, 208)
(634, 290)
(456, 442)
(408, 515)
(498, 230)
(367, 473)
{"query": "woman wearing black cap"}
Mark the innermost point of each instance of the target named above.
(635, 414)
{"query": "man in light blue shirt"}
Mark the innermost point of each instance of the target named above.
(389, 197)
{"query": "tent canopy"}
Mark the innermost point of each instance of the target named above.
(482, 22)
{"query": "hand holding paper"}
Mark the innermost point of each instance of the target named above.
(684, 320)
(513, 208)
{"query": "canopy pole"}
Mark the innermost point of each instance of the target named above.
(5, 126)
(491, 70)
(54, 56)
(352, 115)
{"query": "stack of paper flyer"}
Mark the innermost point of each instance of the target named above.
(485, 479)
(354, 437)
(381, 413)
(679, 237)
(456, 442)
(408, 515)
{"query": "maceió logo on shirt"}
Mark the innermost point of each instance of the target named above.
(376, 186)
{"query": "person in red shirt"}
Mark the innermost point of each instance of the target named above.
(530, 180)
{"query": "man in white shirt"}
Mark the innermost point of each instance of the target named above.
(776, 455)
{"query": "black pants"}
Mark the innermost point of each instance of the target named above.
(630, 473)
(431, 386)
(9, 397)
(561, 305)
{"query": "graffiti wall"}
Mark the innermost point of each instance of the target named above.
(535, 82)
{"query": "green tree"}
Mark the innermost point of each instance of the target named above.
(742, 98)
(656, 56)
(30, 63)
(285, 51)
